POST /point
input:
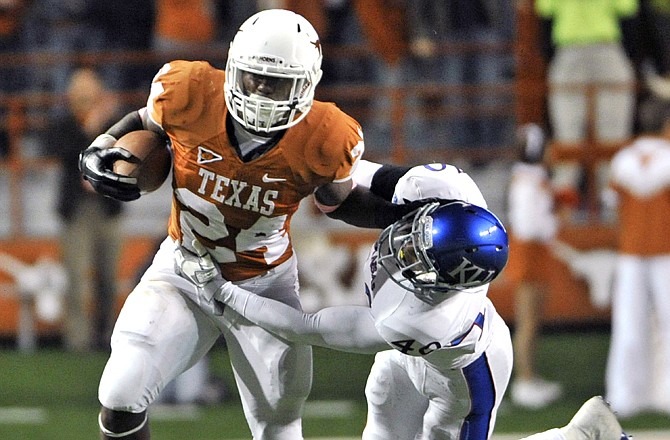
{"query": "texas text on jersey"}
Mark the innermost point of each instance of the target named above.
(241, 210)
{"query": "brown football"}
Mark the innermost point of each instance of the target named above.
(154, 155)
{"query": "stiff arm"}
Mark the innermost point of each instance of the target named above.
(344, 328)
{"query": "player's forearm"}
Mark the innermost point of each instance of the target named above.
(274, 316)
(349, 328)
(366, 210)
(130, 122)
(338, 328)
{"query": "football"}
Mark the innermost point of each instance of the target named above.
(154, 155)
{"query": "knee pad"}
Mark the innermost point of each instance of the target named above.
(128, 389)
(110, 432)
(380, 380)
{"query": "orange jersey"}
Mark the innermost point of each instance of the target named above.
(241, 211)
(643, 223)
(639, 173)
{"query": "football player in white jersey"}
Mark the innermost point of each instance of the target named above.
(426, 279)
(248, 144)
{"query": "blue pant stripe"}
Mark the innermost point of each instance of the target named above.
(483, 397)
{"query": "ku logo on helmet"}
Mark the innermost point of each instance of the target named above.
(469, 274)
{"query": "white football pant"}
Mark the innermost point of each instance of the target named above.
(161, 332)
(640, 306)
(409, 399)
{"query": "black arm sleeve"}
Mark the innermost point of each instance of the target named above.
(130, 122)
(364, 209)
(385, 179)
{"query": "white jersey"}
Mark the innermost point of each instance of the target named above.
(531, 203)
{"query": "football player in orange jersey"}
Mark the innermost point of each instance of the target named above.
(248, 145)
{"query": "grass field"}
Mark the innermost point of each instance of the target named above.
(52, 395)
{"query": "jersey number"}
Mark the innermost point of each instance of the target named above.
(246, 240)
(407, 346)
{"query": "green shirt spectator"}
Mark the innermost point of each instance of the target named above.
(586, 21)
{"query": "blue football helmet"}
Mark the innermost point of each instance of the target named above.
(450, 246)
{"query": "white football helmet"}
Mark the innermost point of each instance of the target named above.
(279, 46)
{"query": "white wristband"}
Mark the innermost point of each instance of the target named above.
(225, 292)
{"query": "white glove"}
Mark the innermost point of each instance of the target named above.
(201, 270)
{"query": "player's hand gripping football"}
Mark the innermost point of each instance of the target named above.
(96, 164)
(199, 267)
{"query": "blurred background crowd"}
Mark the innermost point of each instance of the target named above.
(553, 90)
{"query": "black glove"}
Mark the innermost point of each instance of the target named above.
(95, 164)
